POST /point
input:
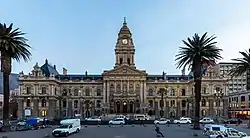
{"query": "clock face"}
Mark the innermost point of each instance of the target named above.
(125, 41)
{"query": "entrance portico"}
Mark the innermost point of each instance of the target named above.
(124, 106)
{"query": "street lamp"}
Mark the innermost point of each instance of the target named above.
(218, 94)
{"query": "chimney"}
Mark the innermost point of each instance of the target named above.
(86, 73)
(54, 66)
(183, 72)
(65, 71)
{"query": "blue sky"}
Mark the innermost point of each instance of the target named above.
(80, 35)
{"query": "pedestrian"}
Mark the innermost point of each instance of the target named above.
(158, 132)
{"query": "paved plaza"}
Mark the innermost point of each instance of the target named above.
(127, 131)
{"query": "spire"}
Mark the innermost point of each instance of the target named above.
(124, 21)
(124, 30)
(46, 61)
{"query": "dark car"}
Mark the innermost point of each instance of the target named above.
(232, 121)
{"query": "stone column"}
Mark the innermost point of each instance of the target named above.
(178, 108)
(108, 91)
(52, 107)
(144, 92)
(69, 107)
(104, 92)
(141, 92)
(225, 107)
(36, 108)
(81, 108)
(20, 108)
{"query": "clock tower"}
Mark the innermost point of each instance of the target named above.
(124, 49)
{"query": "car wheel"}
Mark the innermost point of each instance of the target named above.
(178, 123)
(219, 137)
(111, 123)
(67, 134)
(157, 123)
(77, 130)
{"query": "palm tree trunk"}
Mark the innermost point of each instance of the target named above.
(197, 88)
(6, 69)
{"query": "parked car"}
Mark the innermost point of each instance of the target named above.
(162, 121)
(117, 121)
(94, 118)
(232, 121)
(183, 121)
(207, 121)
(141, 117)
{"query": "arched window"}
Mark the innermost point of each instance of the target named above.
(98, 92)
(87, 92)
(183, 92)
(203, 102)
(112, 88)
(98, 104)
(150, 103)
(75, 104)
(150, 92)
(44, 103)
(121, 60)
(172, 92)
(76, 91)
(64, 92)
(118, 87)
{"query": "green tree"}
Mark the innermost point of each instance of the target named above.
(13, 46)
(196, 52)
(243, 65)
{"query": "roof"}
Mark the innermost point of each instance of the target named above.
(48, 70)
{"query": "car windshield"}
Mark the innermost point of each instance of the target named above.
(162, 119)
(63, 126)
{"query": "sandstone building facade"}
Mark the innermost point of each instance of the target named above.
(122, 90)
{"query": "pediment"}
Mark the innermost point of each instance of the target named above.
(124, 70)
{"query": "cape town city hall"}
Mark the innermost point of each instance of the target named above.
(123, 89)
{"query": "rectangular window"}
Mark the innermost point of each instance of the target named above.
(128, 60)
(43, 90)
(28, 90)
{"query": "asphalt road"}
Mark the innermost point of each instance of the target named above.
(174, 131)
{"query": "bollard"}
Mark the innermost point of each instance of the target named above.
(109, 125)
(133, 125)
(179, 124)
(86, 126)
(121, 124)
(98, 125)
(168, 125)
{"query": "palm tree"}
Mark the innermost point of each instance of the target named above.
(197, 51)
(243, 65)
(13, 45)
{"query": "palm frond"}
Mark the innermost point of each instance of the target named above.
(13, 43)
(196, 47)
(243, 65)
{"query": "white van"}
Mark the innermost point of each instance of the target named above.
(141, 117)
(67, 127)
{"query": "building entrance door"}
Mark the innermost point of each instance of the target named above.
(125, 107)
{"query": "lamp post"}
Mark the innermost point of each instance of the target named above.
(218, 94)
